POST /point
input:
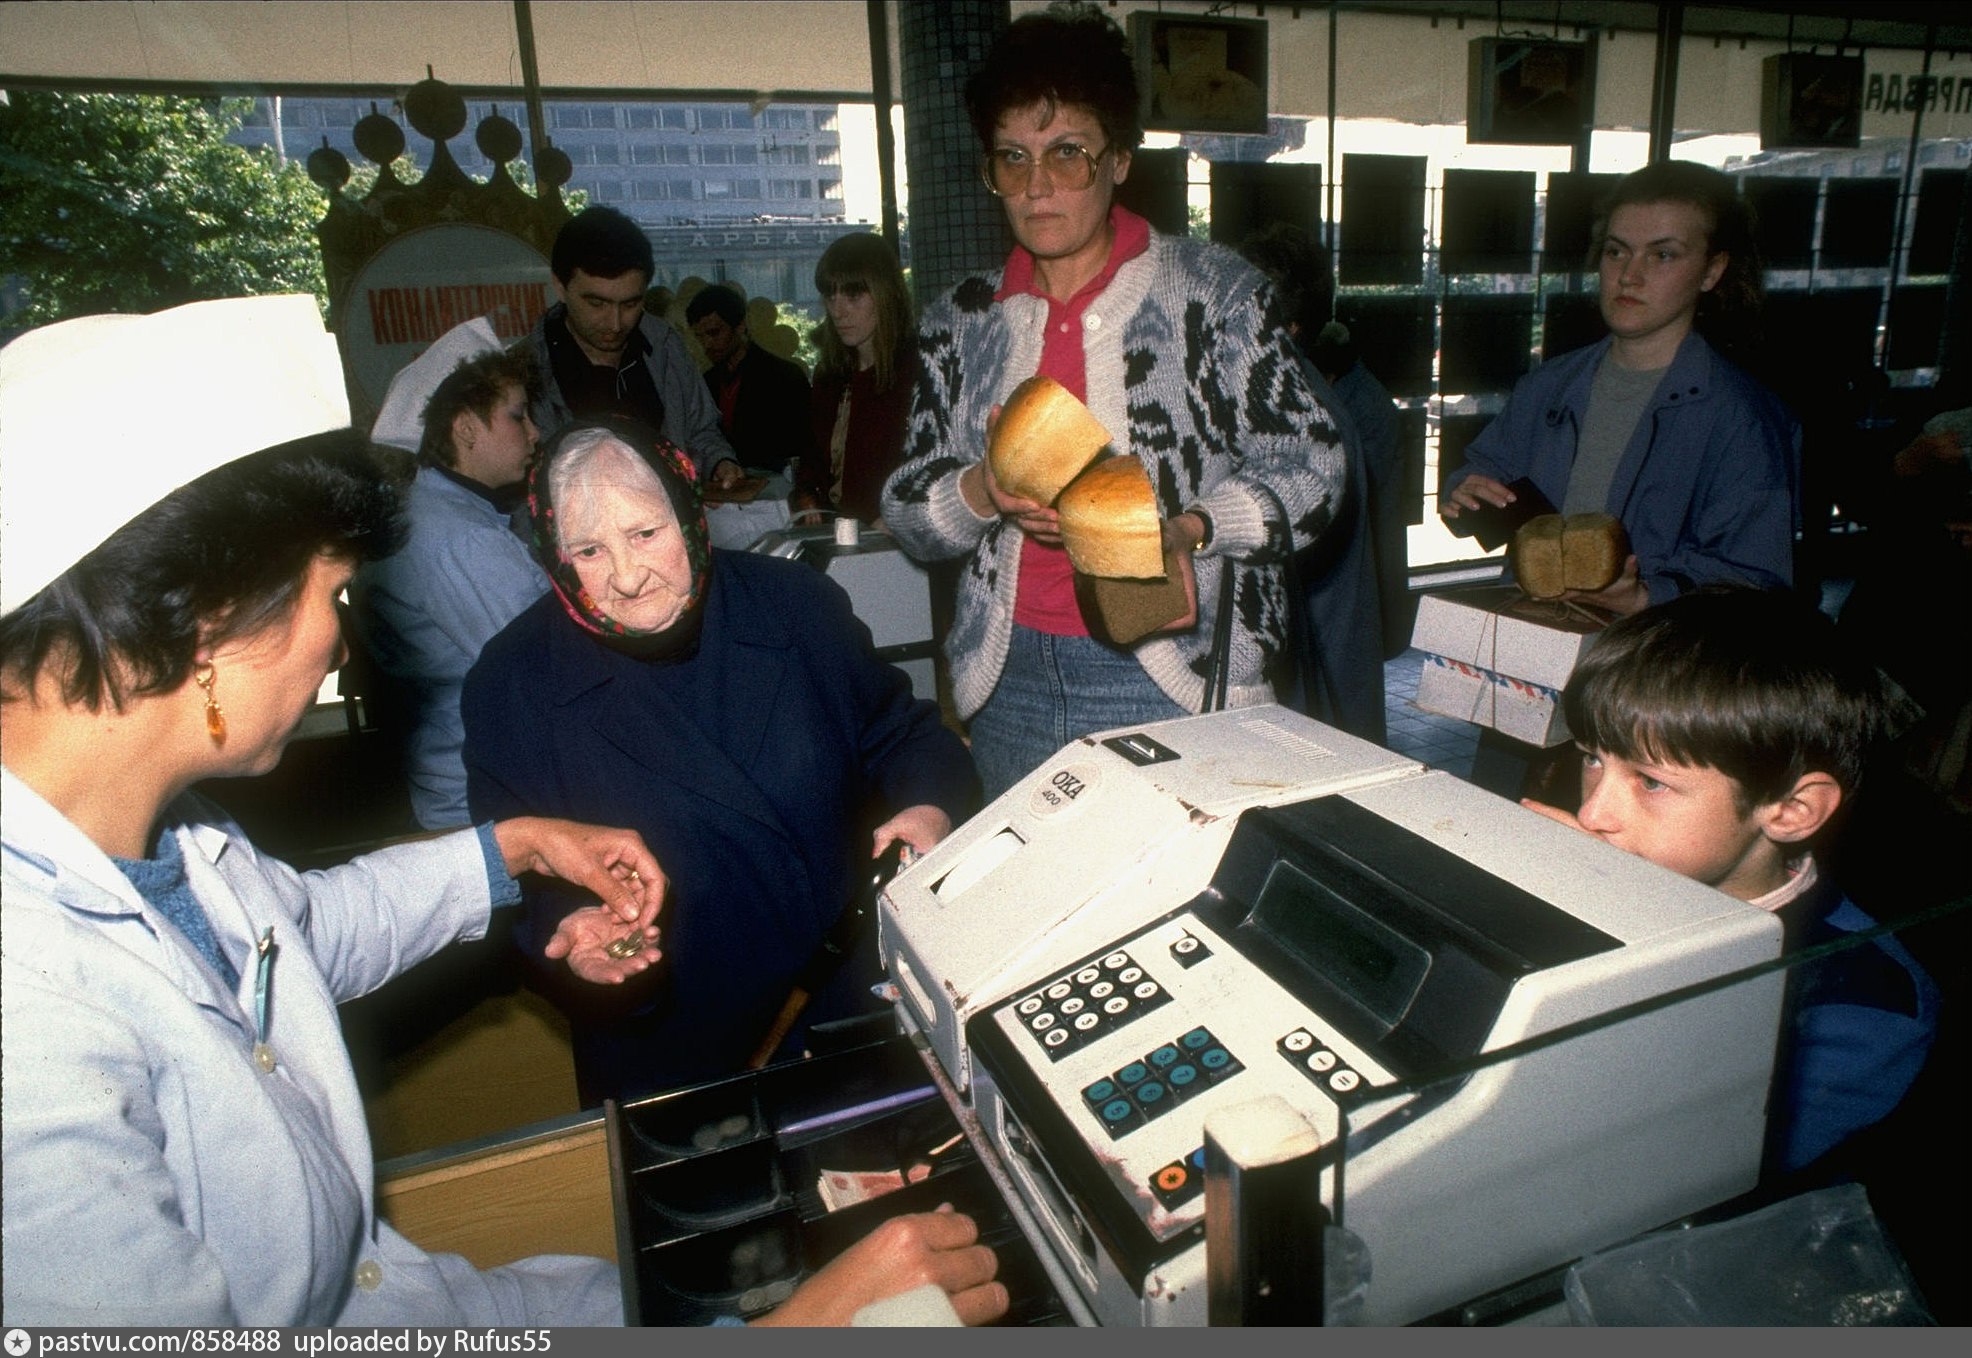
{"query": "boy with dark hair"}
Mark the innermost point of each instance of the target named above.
(1721, 734)
(600, 355)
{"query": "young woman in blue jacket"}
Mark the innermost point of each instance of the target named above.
(1698, 460)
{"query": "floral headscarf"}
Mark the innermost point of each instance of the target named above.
(679, 478)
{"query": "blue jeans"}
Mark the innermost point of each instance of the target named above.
(1053, 690)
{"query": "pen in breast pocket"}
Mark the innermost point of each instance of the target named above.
(263, 980)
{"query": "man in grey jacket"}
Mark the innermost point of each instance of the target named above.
(599, 355)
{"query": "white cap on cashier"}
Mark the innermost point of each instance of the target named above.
(103, 416)
(401, 422)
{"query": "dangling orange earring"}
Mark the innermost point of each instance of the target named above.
(215, 719)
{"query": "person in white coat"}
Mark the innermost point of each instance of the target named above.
(183, 1138)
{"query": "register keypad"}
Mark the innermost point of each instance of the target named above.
(1159, 1080)
(1086, 1002)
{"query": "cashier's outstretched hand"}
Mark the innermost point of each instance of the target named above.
(614, 864)
(904, 1253)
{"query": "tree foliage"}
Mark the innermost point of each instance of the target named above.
(133, 203)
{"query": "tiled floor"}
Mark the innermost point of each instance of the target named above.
(1440, 742)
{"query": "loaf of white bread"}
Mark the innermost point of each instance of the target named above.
(1555, 553)
(1043, 440)
(1042, 449)
(1109, 521)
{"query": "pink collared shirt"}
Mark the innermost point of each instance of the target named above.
(1046, 597)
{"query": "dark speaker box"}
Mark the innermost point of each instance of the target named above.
(1810, 101)
(1156, 189)
(1250, 196)
(1527, 92)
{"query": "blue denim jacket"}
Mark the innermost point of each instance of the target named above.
(1709, 487)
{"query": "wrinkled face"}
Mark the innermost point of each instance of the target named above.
(495, 451)
(266, 681)
(1051, 220)
(603, 311)
(852, 311)
(1655, 266)
(1677, 816)
(619, 532)
(722, 342)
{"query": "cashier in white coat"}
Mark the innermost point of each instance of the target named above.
(184, 1141)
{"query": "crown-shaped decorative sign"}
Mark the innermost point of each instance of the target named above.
(407, 262)
(354, 230)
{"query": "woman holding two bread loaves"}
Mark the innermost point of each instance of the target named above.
(1177, 351)
(1696, 459)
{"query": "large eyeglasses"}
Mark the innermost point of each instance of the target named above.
(1070, 165)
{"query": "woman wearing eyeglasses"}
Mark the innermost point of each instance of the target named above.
(867, 369)
(1175, 346)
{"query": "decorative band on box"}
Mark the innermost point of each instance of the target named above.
(1537, 692)
(1453, 688)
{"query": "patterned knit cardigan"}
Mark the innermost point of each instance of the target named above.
(1185, 351)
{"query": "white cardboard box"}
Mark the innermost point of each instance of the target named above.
(1497, 658)
(1499, 629)
(1519, 708)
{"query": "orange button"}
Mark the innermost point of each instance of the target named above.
(1171, 1178)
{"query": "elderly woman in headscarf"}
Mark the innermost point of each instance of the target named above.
(184, 1139)
(729, 707)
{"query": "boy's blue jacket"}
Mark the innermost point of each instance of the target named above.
(1708, 488)
(1854, 1034)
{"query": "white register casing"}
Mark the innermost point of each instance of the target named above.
(888, 591)
(1113, 829)
(1378, 924)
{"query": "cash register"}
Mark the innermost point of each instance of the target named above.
(1510, 1038)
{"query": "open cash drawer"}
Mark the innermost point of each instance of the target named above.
(728, 1194)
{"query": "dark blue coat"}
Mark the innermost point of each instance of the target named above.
(1341, 682)
(754, 770)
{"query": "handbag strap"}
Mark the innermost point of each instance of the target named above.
(1218, 668)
